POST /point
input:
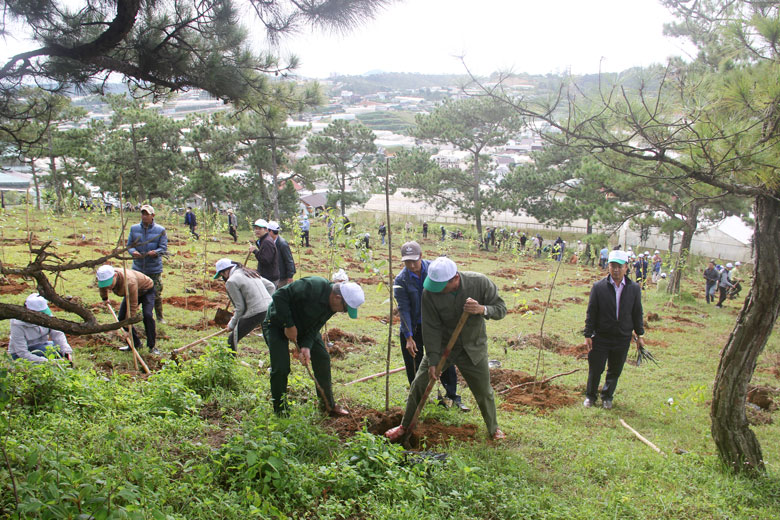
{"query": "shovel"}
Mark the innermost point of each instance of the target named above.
(432, 381)
(222, 316)
(317, 383)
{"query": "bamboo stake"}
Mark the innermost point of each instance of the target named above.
(129, 340)
(543, 381)
(389, 282)
(374, 376)
(197, 342)
(638, 436)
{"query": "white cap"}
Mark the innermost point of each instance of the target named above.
(105, 274)
(440, 271)
(273, 225)
(222, 264)
(617, 255)
(729, 265)
(353, 297)
(641, 255)
(663, 275)
(340, 276)
(737, 263)
(36, 302)
(647, 253)
(657, 252)
(260, 223)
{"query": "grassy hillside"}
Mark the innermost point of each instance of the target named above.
(398, 122)
(198, 439)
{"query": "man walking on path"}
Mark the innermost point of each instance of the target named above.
(284, 255)
(297, 313)
(305, 225)
(30, 342)
(192, 222)
(448, 293)
(408, 291)
(148, 243)
(425, 229)
(614, 314)
(711, 277)
(382, 232)
(233, 225)
(140, 289)
(250, 294)
(603, 255)
(265, 252)
(724, 284)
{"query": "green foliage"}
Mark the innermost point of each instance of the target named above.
(215, 369)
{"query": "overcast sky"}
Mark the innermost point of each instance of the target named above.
(535, 36)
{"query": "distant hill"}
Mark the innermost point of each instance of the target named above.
(396, 81)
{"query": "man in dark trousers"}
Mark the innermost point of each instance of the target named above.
(724, 284)
(191, 221)
(265, 252)
(711, 277)
(614, 314)
(449, 293)
(284, 255)
(297, 313)
(408, 291)
(148, 243)
(233, 225)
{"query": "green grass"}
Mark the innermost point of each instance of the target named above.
(199, 440)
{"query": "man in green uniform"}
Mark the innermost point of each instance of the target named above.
(447, 294)
(297, 313)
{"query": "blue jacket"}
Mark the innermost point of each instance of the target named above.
(408, 294)
(144, 239)
(190, 220)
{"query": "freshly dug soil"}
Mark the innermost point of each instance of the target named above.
(507, 272)
(344, 343)
(195, 302)
(762, 396)
(10, 287)
(687, 321)
(429, 433)
(551, 343)
(543, 397)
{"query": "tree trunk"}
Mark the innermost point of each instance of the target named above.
(53, 175)
(477, 201)
(737, 444)
(275, 176)
(689, 230)
(137, 167)
(671, 242)
(343, 193)
(35, 181)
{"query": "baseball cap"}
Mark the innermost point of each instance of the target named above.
(36, 302)
(440, 271)
(222, 264)
(260, 223)
(147, 208)
(729, 265)
(656, 252)
(737, 263)
(353, 297)
(105, 275)
(618, 256)
(273, 225)
(411, 251)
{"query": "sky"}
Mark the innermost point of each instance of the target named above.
(534, 36)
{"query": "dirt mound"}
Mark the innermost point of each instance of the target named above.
(94, 340)
(573, 299)
(365, 281)
(341, 343)
(761, 396)
(82, 243)
(383, 319)
(543, 396)
(8, 286)
(507, 272)
(336, 334)
(195, 302)
(652, 316)
(550, 342)
(429, 433)
(687, 321)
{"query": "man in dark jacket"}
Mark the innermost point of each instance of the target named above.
(265, 252)
(297, 313)
(191, 222)
(408, 291)
(614, 314)
(284, 256)
(711, 276)
(148, 243)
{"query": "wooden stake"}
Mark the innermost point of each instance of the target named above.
(136, 356)
(373, 376)
(197, 342)
(638, 436)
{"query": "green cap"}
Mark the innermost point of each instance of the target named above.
(351, 312)
(432, 286)
(105, 283)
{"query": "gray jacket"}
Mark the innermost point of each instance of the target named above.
(250, 296)
(725, 280)
(24, 335)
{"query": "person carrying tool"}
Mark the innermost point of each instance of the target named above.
(250, 294)
(265, 252)
(31, 342)
(447, 294)
(284, 257)
(148, 243)
(140, 288)
(408, 291)
(614, 314)
(297, 313)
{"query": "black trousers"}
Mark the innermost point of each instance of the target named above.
(232, 231)
(194, 233)
(448, 378)
(724, 292)
(305, 238)
(146, 301)
(609, 352)
(244, 326)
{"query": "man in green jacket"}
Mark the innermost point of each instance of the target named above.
(297, 313)
(447, 294)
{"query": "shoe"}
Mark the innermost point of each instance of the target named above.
(498, 435)
(338, 411)
(162, 321)
(587, 403)
(155, 352)
(462, 407)
(607, 404)
(395, 433)
(444, 402)
(124, 348)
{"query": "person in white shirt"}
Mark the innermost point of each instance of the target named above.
(31, 342)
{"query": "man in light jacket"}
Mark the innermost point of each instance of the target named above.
(250, 294)
(31, 342)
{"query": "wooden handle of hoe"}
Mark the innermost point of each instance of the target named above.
(196, 342)
(439, 367)
(129, 340)
(317, 383)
